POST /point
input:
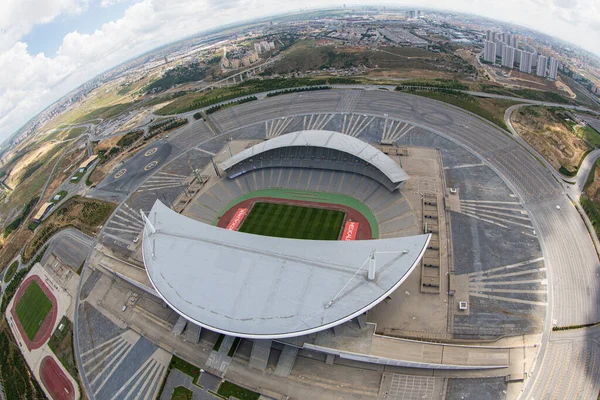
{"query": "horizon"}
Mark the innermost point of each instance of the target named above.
(78, 77)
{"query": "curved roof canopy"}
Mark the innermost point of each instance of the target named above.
(328, 140)
(265, 287)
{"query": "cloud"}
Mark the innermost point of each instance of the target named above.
(29, 82)
(19, 16)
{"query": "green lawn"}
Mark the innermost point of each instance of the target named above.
(181, 393)
(286, 221)
(228, 389)
(33, 308)
(10, 272)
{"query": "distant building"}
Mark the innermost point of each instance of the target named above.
(43, 212)
(85, 165)
(508, 56)
(534, 60)
(513, 41)
(489, 36)
(272, 45)
(525, 65)
(553, 69)
(542, 62)
(489, 51)
(518, 53)
(257, 48)
(499, 45)
(265, 45)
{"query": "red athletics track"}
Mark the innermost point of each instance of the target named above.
(364, 228)
(56, 382)
(45, 331)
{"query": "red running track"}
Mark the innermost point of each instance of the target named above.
(55, 380)
(45, 331)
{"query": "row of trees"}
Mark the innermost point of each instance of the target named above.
(217, 107)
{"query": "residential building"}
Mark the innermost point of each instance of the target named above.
(553, 69)
(508, 56)
(525, 65)
(499, 45)
(542, 62)
(489, 51)
(489, 36)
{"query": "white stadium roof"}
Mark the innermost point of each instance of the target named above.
(265, 287)
(330, 140)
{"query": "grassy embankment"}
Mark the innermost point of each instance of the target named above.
(555, 134)
(84, 214)
(489, 109)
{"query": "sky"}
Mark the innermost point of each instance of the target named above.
(49, 47)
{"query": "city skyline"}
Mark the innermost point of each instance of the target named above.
(35, 80)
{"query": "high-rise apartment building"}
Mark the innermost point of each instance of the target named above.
(553, 69)
(542, 62)
(525, 65)
(489, 36)
(499, 45)
(489, 51)
(508, 56)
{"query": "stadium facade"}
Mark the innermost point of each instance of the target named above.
(261, 287)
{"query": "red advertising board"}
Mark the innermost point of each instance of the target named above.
(350, 230)
(237, 219)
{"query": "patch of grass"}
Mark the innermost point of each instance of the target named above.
(14, 225)
(592, 209)
(32, 309)
(567, 172)
(217, 345)
(228, 389)
(193, 101)
(105, 112)
(181, 393)
(465, 101)
(185, 367)
(588, 134)
(11, 270)
(531, 94)
(62, 194)
(129, 138)
(590, 178)
(61, 343)
(287, 221)
(84, 214)
(317, 197)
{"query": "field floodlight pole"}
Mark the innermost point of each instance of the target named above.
(147, 221)
(371, 272)
(372, 265)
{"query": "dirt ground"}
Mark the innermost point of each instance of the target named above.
(410, 74)
(21, 166)
(547, 134)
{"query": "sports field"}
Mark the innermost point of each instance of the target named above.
(32, 309)
(296, 222)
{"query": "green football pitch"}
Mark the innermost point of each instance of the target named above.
(33, 308)
(287, 221)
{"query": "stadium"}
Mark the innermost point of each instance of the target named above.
(297, 247)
